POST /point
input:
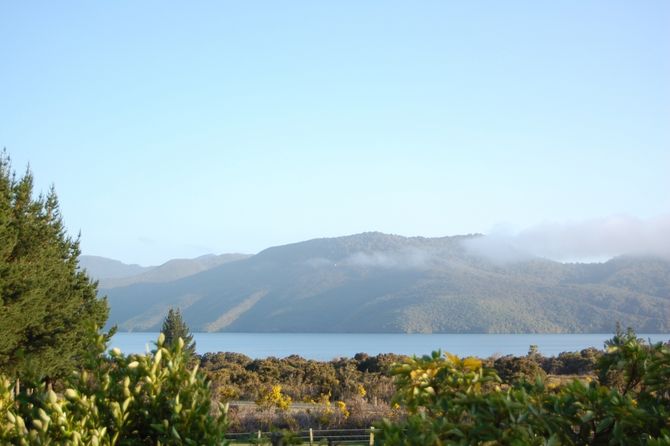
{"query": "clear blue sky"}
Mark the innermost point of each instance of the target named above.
(174, 129)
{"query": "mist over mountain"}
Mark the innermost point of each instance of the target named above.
(605, 237)
(375, 282)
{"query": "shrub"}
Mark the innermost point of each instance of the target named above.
(117, 400)
(458, 401)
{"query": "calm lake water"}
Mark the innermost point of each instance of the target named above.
(326, 346)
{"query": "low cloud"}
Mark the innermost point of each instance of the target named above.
(588, 240)
(405, 259)
(319, 262)
(409, 259)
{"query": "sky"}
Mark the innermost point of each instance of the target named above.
(175, 129)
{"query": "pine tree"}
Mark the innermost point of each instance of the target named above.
(174, 328)
(48, 308)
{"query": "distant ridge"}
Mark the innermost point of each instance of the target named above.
(374, 282)
(104, 268)
(112, 273)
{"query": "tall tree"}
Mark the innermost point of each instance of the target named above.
(48, 308)
(174, 328)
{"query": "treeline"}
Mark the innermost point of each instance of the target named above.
(351, 392)
(238, 377)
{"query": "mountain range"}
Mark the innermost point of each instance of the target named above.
(113, 273)
(374, 282)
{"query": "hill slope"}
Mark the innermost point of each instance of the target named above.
(173, 270)
(101, 267)
(113, 273)
(375, 282)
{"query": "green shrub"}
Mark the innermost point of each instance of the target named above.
(117, 400)
(458, 401)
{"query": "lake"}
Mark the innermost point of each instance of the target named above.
(326, 346)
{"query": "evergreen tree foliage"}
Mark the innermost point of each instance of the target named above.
(174, 328)
(48, 308)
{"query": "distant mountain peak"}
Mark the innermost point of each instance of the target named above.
(113, 273)
(101, 267)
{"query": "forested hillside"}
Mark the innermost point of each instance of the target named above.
(375, 282)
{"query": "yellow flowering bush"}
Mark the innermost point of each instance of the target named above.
(273, 397)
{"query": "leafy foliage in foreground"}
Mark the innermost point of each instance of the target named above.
(151, 399)
(458, 401)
